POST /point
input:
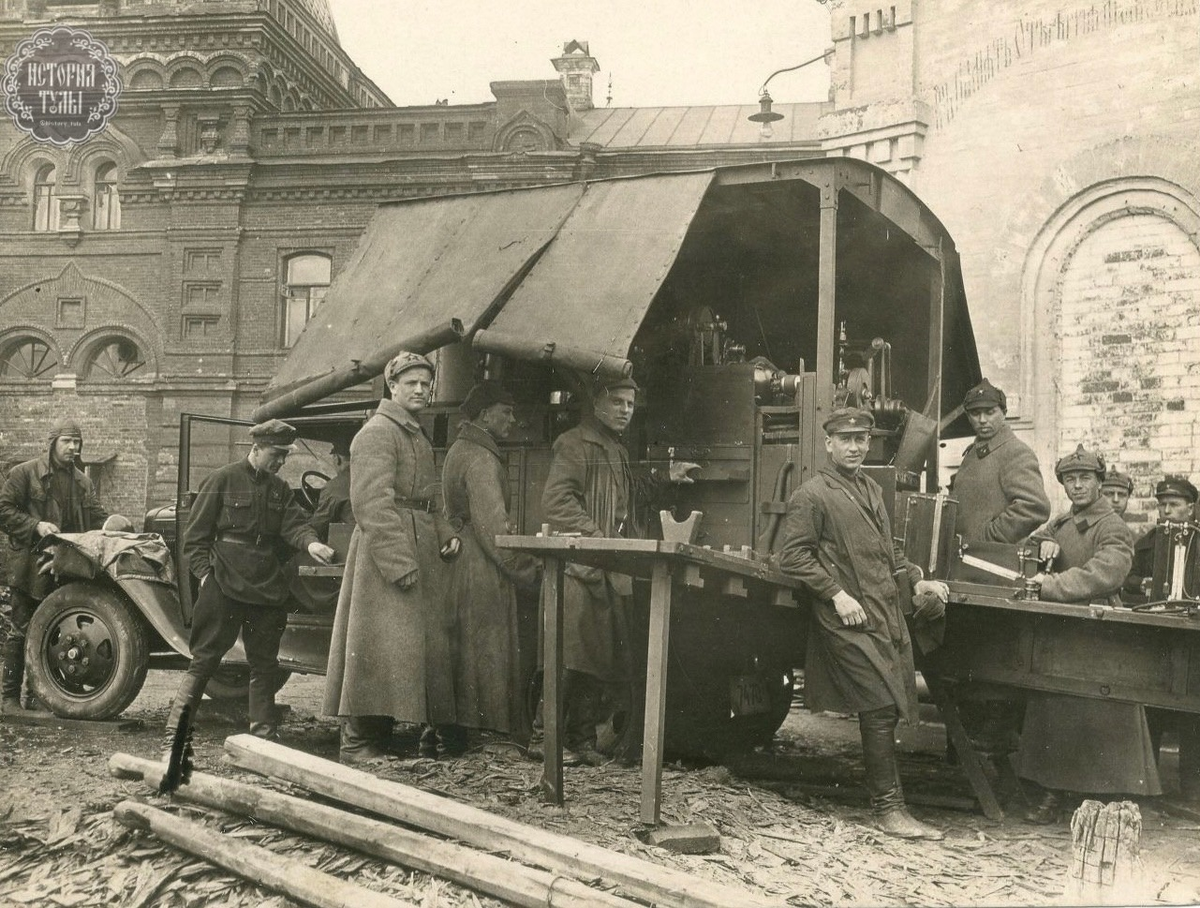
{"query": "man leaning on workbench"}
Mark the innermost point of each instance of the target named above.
(593, 491)
(1079, 744)
(838, 541)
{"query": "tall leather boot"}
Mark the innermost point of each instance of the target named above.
(191, 689)
(13, 656)
(877, 727)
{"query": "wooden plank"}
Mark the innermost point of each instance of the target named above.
(506, 880)
(969, 760)
(554, 852)
(733, 586)
(690, 576)
(49, 720)
(656, 693)
(253, 862)
(321, 570)
(552, 679)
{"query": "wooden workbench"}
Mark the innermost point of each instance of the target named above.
(669, 566)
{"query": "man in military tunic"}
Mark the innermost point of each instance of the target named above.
(1117, 487)
(838, 541)
(46, 495)
(1076, 743)
(243, 525)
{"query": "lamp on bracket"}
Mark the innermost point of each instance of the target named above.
(765, 115)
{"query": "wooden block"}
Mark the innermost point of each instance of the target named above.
(34, 717)
(695, 838)
(690, 576)
(734, 586)
(685, 530)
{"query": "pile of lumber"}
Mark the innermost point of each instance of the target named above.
(440, 836)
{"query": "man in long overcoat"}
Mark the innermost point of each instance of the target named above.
(838, 541)
(483, 594)
(390, 652)
(46, 495)
(592, 491)
(999, 485)
(1076, 743)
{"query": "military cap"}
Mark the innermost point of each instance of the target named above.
(1177, 486)
(273, 433)
(620, 383)
(1081, 460)
(65, 428)
(985, 395)
(1114, 479)
(848, 419)
(484, 395)
(402, 362)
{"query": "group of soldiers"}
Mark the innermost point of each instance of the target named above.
(425, 627)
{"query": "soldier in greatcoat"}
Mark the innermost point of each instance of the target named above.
(999, 485)
(390, 652)
(1076, 743)
(592, 491)
(484, 581)
(1117, 487)
(46, 495)
(838, 540)
(1002, 498)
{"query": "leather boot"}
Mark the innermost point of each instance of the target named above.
(11, 706)
(429, 743)
(191, 689)
(877, 727)
(265, 730)
(13, 655)
(900, 823)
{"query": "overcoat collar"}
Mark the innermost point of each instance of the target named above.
(983, 448)
(597, 432)
(468, 431)
(841, 483)
(398, 415)
(1089, 516)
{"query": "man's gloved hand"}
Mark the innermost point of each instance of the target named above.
(934, 587)
(1048, 550)
(321, 552)
(45, 528)
(927, 607)
(678, 470)
(450, 549)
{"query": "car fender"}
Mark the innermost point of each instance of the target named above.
(159, 605)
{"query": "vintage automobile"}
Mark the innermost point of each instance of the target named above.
(746, 301)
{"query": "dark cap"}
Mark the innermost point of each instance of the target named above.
(402, 362)
(65, 428)
(620, 383)
(484, 395)
(1114, 479)
(1081, 460)
(985, 395)
(274, 433)
(1176, 485)
(848, 419)
(340, 447)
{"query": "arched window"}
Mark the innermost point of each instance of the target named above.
(27, 358)
(305, 283)
(106, 203)
(45, 207)
(114, 358)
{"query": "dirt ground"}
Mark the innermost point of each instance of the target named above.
(792, 823)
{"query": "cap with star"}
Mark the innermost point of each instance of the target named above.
(1115, 479)
(848, 419)
(1081, 460)
(1176, 486)
(984, 396)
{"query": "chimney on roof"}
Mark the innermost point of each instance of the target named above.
(576, 67)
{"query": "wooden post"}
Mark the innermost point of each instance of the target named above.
(967, 757)
(506, 880)
(552, 679)
(424, 810)
(252, 862)
(656, 690)
(1106, 864)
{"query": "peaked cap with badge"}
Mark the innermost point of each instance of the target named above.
(848, 419)
(984, 396)
(274, 433)
(1081, 460)
(1176, 486)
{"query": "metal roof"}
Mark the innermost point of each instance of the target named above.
(678, 127)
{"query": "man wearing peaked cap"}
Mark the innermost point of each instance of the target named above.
(593, 490)
(1176, 503)
(43, 496)
(1073, 743)
(860, 657)
(243, 525)
(999, 484)
(1117, 487)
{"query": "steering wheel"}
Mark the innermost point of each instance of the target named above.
(311, 492)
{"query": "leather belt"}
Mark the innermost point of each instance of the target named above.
(247, 538)
(417, 504)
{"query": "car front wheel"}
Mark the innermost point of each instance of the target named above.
(86, 652)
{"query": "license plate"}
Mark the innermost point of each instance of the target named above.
(747, 696)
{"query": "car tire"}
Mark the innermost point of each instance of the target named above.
(86, 652)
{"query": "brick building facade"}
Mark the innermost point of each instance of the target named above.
(1056, 141)
(167, 264)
